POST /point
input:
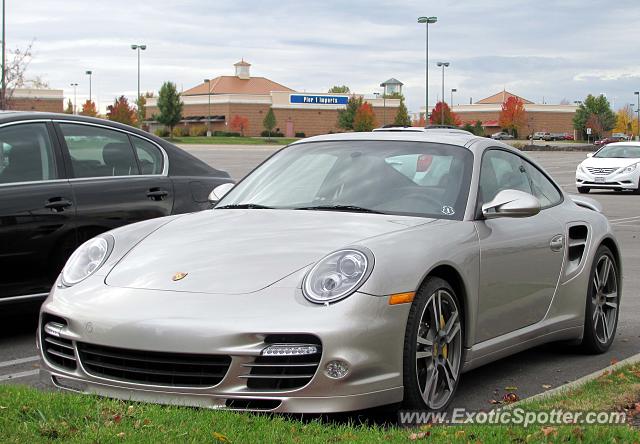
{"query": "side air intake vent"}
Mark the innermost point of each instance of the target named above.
(578, 235)
(58, 350)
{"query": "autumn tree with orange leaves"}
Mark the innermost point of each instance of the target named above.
(450, 118)
(89, 109)
(122, 112)
(512, 116)
(365, 118)
(240, 124)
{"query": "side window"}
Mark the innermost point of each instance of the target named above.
(99, 152)
(149, 156)
(543, 188)
(26, 153)
(500, 171)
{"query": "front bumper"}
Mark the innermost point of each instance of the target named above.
(362, 330)
(622, 181)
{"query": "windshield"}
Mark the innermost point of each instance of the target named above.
(406, 178)
(619, 151)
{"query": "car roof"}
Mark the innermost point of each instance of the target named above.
(410, 134)
(623, 143)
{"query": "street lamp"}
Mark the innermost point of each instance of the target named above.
(427, 21)
(452, 91)
(443, 65)
(138, 48)
(208, 82)
(637, 93)
(75, 85)
(89, 74)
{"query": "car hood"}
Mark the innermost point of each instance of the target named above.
(613, 162)
(243, 251)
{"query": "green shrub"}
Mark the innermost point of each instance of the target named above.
(301, 135)
(226, 134)
(197, 130)
(161, 132)
(180, 131)
(265, 133)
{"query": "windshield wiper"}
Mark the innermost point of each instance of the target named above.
(352, 208)
(250, 206)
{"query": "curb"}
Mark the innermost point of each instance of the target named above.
(577, 383)
(570, 148)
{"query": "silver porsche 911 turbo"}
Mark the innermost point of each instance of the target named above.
(347, 271)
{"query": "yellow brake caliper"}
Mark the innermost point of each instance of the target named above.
(444, 347)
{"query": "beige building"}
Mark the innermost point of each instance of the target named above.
(224, 97)
(36, 99)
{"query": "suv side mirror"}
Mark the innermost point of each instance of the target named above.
(219, 192)
(511, 203)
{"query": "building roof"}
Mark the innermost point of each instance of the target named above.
(242, 63)
(501, 97)
(236, 85)
(392, 81)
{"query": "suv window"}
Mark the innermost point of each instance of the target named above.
(26, 153)
(149, 156)
(500, 171)
(99, 152)
(542, 187)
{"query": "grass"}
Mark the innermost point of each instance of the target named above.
(223, 140)
(29, 415)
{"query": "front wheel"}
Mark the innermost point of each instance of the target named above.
(583, 190)
(432, 347)
(603, 299)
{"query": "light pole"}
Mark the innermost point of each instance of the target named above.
(208, 82)
(138, 48)
(452, 91)
(89, 74)
(443, 65)
(637, 93)
(75, 85)
(427, 21)
(3, 93)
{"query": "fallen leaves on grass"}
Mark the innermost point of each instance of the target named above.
(420, 435)
(220, 437)
(510, 398)
(549, 431)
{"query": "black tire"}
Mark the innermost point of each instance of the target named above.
(598, 304)
(583, 190)
(446, 358)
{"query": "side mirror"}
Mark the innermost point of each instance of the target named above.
(589, 155)
(511, 203)
(219, 192)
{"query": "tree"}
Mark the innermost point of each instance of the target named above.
(141, 107)
(365, 119)
(89, 109)
(269, 121)
(69, 108)
(18, 61)
(240, 123)
(597, 106)
(450, 118)
(347, 115)
(169, 105)
(624, 120)
(512, 116)
(402, 116)
(121, 112)
(395, 95)
(420, 122)
(344, 89)
(594, 123)
(478, 129)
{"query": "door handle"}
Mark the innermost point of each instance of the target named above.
(58, 203)
(557, 242)
(157, 194)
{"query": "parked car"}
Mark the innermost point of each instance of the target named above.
(608, 140)
(541, 135)
(338, 275)
(65, 179)
(621, 136)
(615, 166)
(557, 136)
(568, 136)
(502, 136)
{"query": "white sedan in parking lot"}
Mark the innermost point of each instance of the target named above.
(615, 166)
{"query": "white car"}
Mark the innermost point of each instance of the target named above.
(615, 166)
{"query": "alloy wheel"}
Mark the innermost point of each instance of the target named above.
(604, 297)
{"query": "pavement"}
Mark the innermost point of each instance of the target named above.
(527, 373)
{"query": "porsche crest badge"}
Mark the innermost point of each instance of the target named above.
(179, 276)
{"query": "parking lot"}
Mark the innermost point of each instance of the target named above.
(526, 373)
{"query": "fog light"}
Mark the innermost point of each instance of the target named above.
(53, 329)
(291, 350)
(336, 369)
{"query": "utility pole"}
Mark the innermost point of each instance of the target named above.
(3, 93)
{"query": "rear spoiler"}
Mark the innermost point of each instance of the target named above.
(586, 202)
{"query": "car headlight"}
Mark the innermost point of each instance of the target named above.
(581, 168)
(87, 259)
(630, 168)
(337, 275)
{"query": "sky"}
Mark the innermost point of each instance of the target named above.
(541, 50)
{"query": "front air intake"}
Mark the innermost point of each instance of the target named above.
(57, 350)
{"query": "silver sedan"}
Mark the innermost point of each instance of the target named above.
(347, 271)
